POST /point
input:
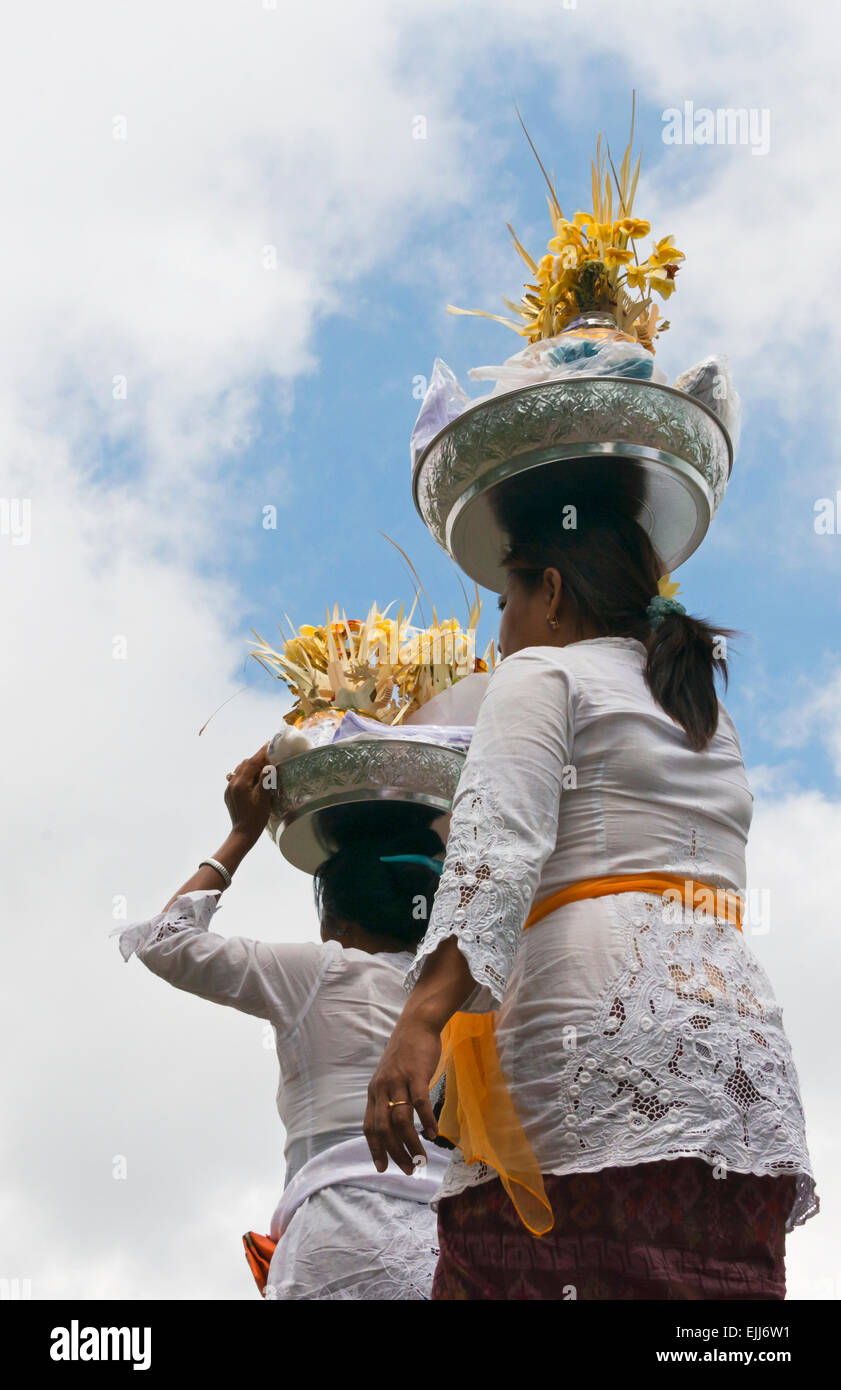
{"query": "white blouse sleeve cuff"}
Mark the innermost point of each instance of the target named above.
(504, 822)
(483, 896)
(490, 984)
(190, 911)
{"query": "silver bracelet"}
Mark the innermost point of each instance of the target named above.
(220, 869)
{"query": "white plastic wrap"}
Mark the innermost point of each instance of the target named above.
(570, 354)
(444, 401)
(285, 745)
(457, 705)
(355, 726)
(313, 733)
(710, 382)
(447, 718)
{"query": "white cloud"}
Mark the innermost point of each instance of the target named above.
(812, 712)
(249, 133)
(142, 258)
(822, 714)
(793, 855)
(116, 795)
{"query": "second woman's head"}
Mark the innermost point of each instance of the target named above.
(365, 895)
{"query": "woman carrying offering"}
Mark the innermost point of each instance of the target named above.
(363, 808)
(335, 1234)
(618, 1079)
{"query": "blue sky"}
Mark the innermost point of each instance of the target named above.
(343, 443)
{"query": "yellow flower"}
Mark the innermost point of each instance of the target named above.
(600, 231)
(586, 255)
(660, 280)
(634, 227)
(567, 261)
(666, 588)
(568, 235)
(665, 251)
(636, 277)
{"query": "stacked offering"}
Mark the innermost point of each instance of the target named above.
(382, 719)
(581, 411)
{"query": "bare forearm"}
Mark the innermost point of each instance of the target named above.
(411, 1057)
(231, 853)
(443, 986)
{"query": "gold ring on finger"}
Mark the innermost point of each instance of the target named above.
(392, 1103)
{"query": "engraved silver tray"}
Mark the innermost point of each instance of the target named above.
(355, 770)
(683, 452)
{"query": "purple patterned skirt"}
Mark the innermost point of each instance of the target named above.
(662, 1230)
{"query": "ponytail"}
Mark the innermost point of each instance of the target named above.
(684, 655)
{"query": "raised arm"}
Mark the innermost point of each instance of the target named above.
(248, 800)
(176, 944)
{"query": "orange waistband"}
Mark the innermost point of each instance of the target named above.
(719, 902)
(478, 1114)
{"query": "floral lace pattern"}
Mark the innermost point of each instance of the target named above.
(190, 911)
(483, 898)
(628, 1029)
(684, 1056)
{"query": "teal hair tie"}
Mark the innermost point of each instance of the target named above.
(660, 608)
(436, 865)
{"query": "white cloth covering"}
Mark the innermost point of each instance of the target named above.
(348, 1232)
(346, 1244)
(627, 1031)
(349, 1163)
(332, 1011)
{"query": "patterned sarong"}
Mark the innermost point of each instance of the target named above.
(663, 1230)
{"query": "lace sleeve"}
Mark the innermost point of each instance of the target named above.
(504, 822)
(191, 910)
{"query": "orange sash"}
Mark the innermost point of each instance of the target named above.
(478, 1114)
(258, 1252)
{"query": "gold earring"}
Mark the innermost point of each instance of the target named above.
(553, 623)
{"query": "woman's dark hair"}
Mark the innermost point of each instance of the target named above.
(353, 885)
(610, 572)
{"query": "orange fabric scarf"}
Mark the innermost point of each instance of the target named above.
(258, 1252)
(478, 1114)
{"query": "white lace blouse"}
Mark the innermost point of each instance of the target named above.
(628, 1030)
